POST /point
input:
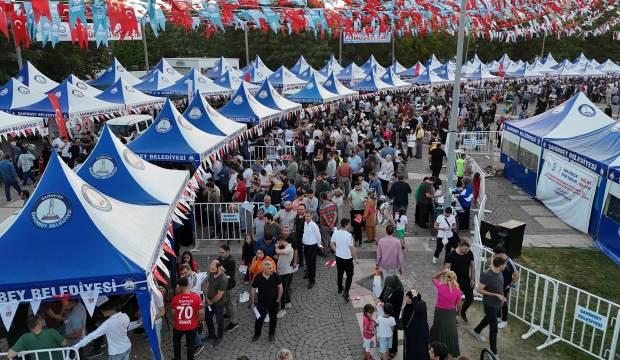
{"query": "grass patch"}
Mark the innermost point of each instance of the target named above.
(587, 269)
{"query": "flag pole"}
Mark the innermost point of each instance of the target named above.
(247, 45)
(145, 47)
(18, 54)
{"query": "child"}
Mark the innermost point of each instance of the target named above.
(368, 330)
(401, 224)
(247, 254)
(476, 185)
(385, 324)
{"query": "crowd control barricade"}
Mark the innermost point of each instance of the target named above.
(478, 142)
(270, 153)
(67, 353)
(223, 221)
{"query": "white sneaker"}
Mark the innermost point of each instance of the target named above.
(281, 313)
(289, 305)
(502, 324)
(478, 336)
(434, 260)
(267, 319)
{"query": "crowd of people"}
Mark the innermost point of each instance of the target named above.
(346, 180)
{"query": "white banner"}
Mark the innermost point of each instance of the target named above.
(567, 190)
(7, 313)
(90, 300)
(363, 37)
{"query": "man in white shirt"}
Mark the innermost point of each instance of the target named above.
(115, 330)
(311, 241)
(25, 161)
(342, 246)
(285, 253)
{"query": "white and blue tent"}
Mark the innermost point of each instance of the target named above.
(260, 66)
(112, 74)
(332, 65)
(243, 107)
(412, 72)
(231, 81)
(574, 173)
(432, 63)
(285, 80)
(112, 245)
(300, 65)
(154, 82)
(194, 81)
(609, 67)
(371, 83)
(397, 67)
(82, 85)
(429, 77)
(221, 66)
(203, 116)
(394, 80)
(333, 85)
(134, 100)
(269, 97)
(165, 68)
(522, 139)
(523, 73)
(255, 74)
(479, 73)
(307, 74)
(313, 93)
(114, 170)
(607, 239)
(14, 95)
(171, 138)
(549, 61)
(445, 72)
(581, 60)
(351, 74)
(371, 64)
(34, 79)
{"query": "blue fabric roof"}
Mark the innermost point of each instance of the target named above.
(55, 225)
(595, 150)
(313, 93)
(243, 107)
(15, 94)
(199, 82)
(113, 73)
(220, 67)
(203, 122)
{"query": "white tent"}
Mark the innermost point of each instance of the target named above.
(18, 125)
(609, 67)
(82, 85)
(34, 79)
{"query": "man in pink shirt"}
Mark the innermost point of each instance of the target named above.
(390, 257)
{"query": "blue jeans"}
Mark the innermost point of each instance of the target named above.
(123, 356)
(7, 188)
(28, 175)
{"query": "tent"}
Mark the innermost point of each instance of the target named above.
(171, 138)
(565, 70)
(574, 173)
(261, 67)
(230, 81)
(371, 65)
(115, 171)
(351, 74)
(243, 107)
(549, 61)
(300, 65)
(523, 73)
(412, 72)
(14, 95)
(428, 77)
(194, 81)
(397, 67)
(34, 79)
(332, 65)
(122, 93)
(19, 125)
(74, 104)
(154, 83)
(590, 70)
(221, 66)
(432, 63)
(478, 73)
(200, 114)
(609, 228)
(581, 60)
(285, 80)
(609, 67)
(82, 85)
(256, 75)
(371, 83)
(313, 93)
(522, 139)
(113, 73)
(393, 80)
(269, 97)
(165, 68)
(333, 85)
(94, 245)
(307, 74)
(445, 72)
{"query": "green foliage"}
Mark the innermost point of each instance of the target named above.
(277, 49)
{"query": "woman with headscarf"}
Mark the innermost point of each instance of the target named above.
(444, 321)
(393, 293)
(414, 324)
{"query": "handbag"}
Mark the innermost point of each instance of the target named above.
(455, 235)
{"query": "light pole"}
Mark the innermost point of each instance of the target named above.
(247, 45)
(145, 47)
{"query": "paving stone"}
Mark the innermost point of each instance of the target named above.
(520, 197)
(551, 222)
(536, 210)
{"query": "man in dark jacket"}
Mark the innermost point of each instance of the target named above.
(229, 269)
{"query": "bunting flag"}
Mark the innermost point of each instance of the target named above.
(60, 119)
(41, 8)
(90, 298)
(20, 30)
(100, 22)
(6, 11)
(77, 11)
(7, 312)
(79, 34)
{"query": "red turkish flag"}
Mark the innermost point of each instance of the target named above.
(6, 12)
(41, 8)
(79, 33)
(20, 30)
(501, 70)
(60, 119)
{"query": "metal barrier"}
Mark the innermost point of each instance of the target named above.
(478, 142)
(223, 221)
(560, 311)
(269, 153)
(67, 353)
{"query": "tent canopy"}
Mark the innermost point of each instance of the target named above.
(432, 63)
(415, 70)
(313, 93)
(371, 64)
(108, 242)
(231, 81)
(284, 79)
(260, 66)
(14, 95)
(122, 93)
(478, 73)
(73, 103)
(300, 65)
(332, 65)
(269, 97)
(256, 75)
(117, 172)
(16, 125)
(524, 72)
(112, 74)
(351, 73)
(221, 66)
(609, 67)
(171, 138)
(578, 115)
(333, 85)
(397, 67)
(307, 74)
(243, 107)
(429, 77)
(194, 81)
(34, 79)
(165, 68)
(371, 83)
(203, 116)
(154, 82)
(392, 79)
(82, 85)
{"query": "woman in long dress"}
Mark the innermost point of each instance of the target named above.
(444, 320)
(393, 293)
(414, 324)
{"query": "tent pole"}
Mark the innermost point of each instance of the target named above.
(145, 47)
(542, 51)
(247, 45)
(454, 110)
(18, 54)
